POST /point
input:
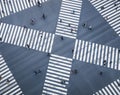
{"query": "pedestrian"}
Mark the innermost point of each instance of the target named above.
(101, 73)
(72, 50)
(41, 36)
(90, 27)
(116, 8)
(43, 16)
(39, 71)
(73, 12)
(110, 62)
(62, 81)
(119, 50)
(84, 25)
(61, 37)
(3, 12)
(7, 81)
(75, 71)
(0, 77)
(60, 20)
(38, 3)
(48, 54)
(104, 62)
(25, 26)
(118, 83)
(0, 38)
(71, 30)
(69, 25)
(9, 1)
(32, 21)
(102, 7)
(4, 1)
(106, 18)
(27, 45)
(115, 4)
(35, 72)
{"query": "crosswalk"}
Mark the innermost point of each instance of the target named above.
(97, 54)
(111, 89)
(8, 7)
(25, 37)
(57, 76)
(69, 18)
(110, 10)
(8, 84)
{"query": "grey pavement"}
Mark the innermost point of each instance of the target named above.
(22, 63)
(101, 32)
(51, 10)
(25, 62)
(88, 79)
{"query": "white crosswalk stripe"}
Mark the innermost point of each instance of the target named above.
(8, 84)
(26, 37)
(97, 54)
(111, 89)
(110, 10)
(57, 77)
(8, 7)
(69, 18)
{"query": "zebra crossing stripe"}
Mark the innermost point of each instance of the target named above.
(97, 54)
(8, 84)
(110, 10)
(69, 18)
(111, 89)
(58, 71)
(23, 37)
(89, 48)
(8, 7)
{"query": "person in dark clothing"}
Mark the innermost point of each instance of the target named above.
(75, 71)
(32, 21)
(119, 50)
(39, 4)
(60, 20)
(35, 72)
(27, 45)
(104, 62)
(0, 38)
(90, 27)
(101, 73)
(48, 54)
(61, 37)
(84, 25)
(72, 50)
(0, 77)
(25, 26)
(43, 16)
(62, 81)
(7, 81)
(69, 24)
